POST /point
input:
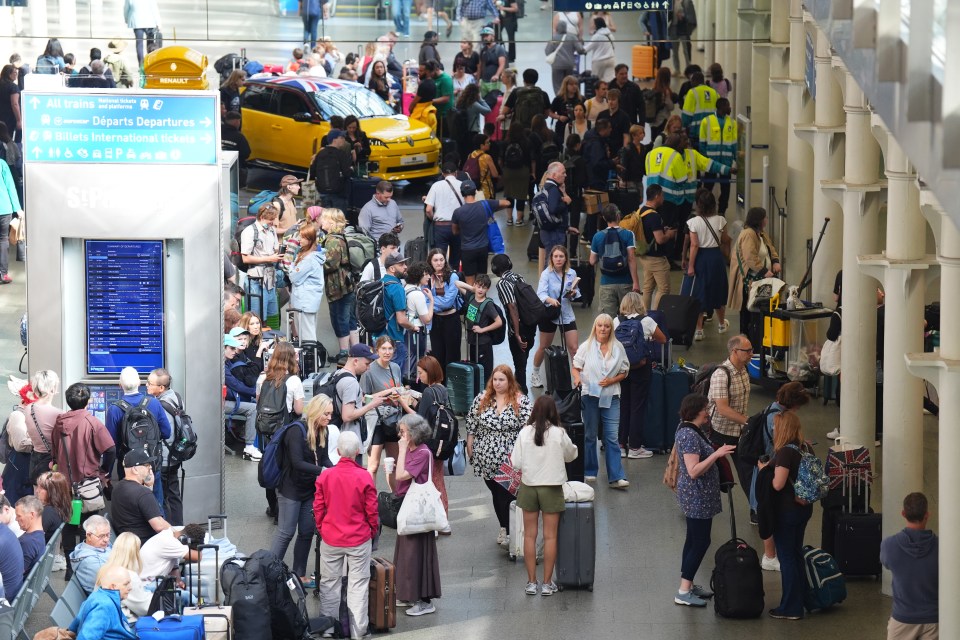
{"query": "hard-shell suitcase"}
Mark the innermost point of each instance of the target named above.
(737, 580)
(856, 543)
(383, 597)
(533, 247)
(576, 546)
(465, 381)
(680, 316)
(577, 434)
(217, 618)
(655, 427)
(643, 61)
(677, 382)
(173, 627)
(515, 549)
(556, 365)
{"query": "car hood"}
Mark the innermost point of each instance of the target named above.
(393, 128)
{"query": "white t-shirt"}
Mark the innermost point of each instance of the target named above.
(416, 304)
(294, 389)
(649, 324)
(368, 274)
(698, 225)
(443, 199)
(161, 554)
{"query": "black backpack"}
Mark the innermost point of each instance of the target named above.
(235, 256)
(497, 335)
(183, 445)
(245, 590)
(166, 598)
(328, 387)
(614, 261)
(549, 152)
(286, 597)
(737, 580)
(272, 407)
(752, 444)
(446, 429)
(139, 430)
(326, 171)
(530, 307)
(371, 307)
(513, 156)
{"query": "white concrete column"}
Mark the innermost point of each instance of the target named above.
(759, 102)
(859, 298)
(38, 19)
(744, 24)
(709, 35)
(67, 18)
(903, 333)
(778, 107)
(799, 154)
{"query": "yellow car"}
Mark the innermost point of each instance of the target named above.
(285, 118)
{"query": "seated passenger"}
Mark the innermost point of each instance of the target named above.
(100, 617)
(163, 553)
(30, 519)
(92, 553)
(131, 506)
(241, 397)
(126, 555)
(11, 555)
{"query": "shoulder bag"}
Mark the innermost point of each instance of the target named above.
(724, 247)
(89, 490)
(422, 508)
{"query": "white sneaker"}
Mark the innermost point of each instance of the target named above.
(698, 335)
(623, 452)
(502, 536)
(250, 452)
(833, 435)
(639, 453)
(532, 588)
(620, 484)
(535, 379)
(770, 564)
(421, 608)
(723, 326)
(589, 478)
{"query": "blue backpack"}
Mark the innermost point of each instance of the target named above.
(614, 259)
(812, 481)
(630, 334)
(255, 201)
(826, 585)
(270, 470)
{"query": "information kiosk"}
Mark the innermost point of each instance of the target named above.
(125, 263)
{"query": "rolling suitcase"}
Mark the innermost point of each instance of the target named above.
(856, 543)
(465, 381)
(644, 61)
(173, 627)
(313, 357)
(383, 597)
(360, 191)
(556, 366)
(576, 546)
(577, 434)
(737, 580)
(680, 316)
(655, 428)
(825, 584)
(533, 247)
(515, 548)
(588, 279)
(217, 618)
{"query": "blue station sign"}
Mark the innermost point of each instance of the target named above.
(120, 128)
(612, 5)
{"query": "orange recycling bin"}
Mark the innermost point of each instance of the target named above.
(175, 68)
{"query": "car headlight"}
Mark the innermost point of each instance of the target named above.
(376, 142)
(433, 136)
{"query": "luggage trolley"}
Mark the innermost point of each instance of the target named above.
(791, 344)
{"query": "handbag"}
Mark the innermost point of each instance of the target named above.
(508, 477)
(673, 468)
(89, 490)
(494, 235)
(552, 56)
(422, 508)
(456, 465)
(388, 505)
(568, 406)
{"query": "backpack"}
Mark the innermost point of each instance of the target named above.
(540, 207)
(752, 443)
(184, 443)
(327, 385)
(166, 598)
(245, 591)
(529, 103)
(549, 152)
(263, 197)
(6, 449)
(139, 429)
(326, 171)
(371, 308)
(361, 249)
(630, 334)
(286, 598)
(446, 429)
(513, 156)
(634, 222)
(497, 335)
(530, 307)
(812, 481)
(472, 168)
(614, 259)
(826, 585)
(701, 383)
(47, 65)
(652, 103)
(272, 407)
(235, 256)
(270, 469)
(737, 581)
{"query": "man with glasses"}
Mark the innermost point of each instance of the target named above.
(158, 386)
(132, 506)
(729, 394)
(92, 553)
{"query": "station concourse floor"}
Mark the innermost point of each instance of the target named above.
(640, 532)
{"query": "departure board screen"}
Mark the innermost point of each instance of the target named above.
(124, 287)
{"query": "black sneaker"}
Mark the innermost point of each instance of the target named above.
(753, 517)
(334, 359)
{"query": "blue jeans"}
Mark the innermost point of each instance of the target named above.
(400, 353)
(268, 300)
(401, 16)
(294, 517)
(310, 30)
(695, 546)
(788, 538)
(158, 492)
(141, 36)
(343, 315)
(443, 239)
(592, 416)
(5, 243)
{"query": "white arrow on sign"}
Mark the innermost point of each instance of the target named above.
(206, 122)
(37, 152)
(34, 102)
(207, 138)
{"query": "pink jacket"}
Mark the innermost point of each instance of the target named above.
(345, 505)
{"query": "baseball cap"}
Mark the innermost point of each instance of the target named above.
(238, 331)
(361, 350)
(288, 180)
(230, 341)
(393, 259)
(468, 188)
(136, 458)
(486, 31)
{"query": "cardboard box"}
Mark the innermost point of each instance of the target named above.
(593, 201)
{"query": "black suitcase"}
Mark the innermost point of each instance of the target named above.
(588, 283)
(737, 580)
(557, 368)
(533, 247)
(577, 433)
(857, 536)
(576, 546)
(680, 315)
(313, 357)
(627, 200)
(360, 191)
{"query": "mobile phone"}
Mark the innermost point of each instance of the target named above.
(764, 459)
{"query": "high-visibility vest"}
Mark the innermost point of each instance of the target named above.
(665, 166)
(718, 141)
(699, 102)
(695, 163)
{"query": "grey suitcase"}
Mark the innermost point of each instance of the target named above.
(576, 546)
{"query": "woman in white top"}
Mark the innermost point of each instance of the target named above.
(557, 288)
(574, 22)
(540, 452)
(419, 312)
(598, 103)
(708, 234)
(598, 368)
(636, 388)
(601, 48)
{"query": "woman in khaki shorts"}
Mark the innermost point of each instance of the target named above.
(541, 450)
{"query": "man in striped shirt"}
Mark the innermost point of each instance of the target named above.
(729, 394)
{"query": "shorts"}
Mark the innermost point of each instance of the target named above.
(551, 239)
(545, 498)
(343, 315)
(381, 438)
(473, 261)
(549, 326)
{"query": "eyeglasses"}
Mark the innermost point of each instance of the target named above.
(750, 350)
(100, 536)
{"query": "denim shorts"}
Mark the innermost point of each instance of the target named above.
(343, 315)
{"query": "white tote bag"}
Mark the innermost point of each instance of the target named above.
(422, 509)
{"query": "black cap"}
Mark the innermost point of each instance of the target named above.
(136, 458)
(468, 188)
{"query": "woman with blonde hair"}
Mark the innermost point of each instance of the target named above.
(338, 281)
(230, 90)
(126, 555)
(509, 80)
(673, 125)
(307, 278)
(306, 448)
(598, 368)
(40, 418)
(493, 424)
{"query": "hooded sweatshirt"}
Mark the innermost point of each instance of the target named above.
(86, 561)
(913, 556)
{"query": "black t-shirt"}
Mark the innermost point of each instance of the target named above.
(471, 219)
(301, 466)
(790, 458)
(51, 520)
(470, 63)
(231, 139)
(132, 506)
(630, 100)
(7, 91)
(654, 222)
(483, 315)
(620, 124)
(489, 58)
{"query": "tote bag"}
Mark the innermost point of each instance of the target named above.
(422, 509)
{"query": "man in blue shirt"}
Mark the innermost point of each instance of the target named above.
(612, 250)
(11, 555)
(470, 222)
(130, 383)
(30, 518)
(395, 307)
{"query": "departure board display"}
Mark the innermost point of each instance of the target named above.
(124, 287)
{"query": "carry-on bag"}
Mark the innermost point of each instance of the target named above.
(515, 546)
(246, 591)
(576, 546)
(383, 596)
(465, 381)
(643, 61)
(856, 543)
(588, 278)
(737, 580)
(173, 627)
(217, 618)
(825, 583)
(680, 316)
(533, 246)
(556, 364)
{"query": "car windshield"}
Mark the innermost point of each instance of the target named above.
(360, 102)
